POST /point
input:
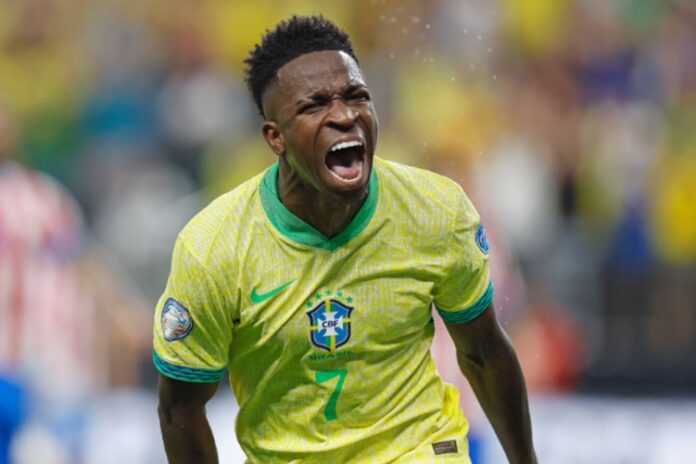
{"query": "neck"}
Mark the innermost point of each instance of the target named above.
(329, 217)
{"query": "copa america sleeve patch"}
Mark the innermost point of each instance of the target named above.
(176, 321)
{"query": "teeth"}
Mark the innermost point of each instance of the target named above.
(344, 145)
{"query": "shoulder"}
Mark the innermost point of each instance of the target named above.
(418, 189)
(219, 223)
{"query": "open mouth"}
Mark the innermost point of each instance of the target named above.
(345, 160)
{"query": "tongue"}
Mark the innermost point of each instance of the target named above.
(345, 163)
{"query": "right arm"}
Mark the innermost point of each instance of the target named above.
(186, 432)
(192, 335)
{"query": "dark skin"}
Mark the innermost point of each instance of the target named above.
(320, 99)
(185, 429)
(488, 360)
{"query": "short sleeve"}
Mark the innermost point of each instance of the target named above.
(193, 323)
(466, 289)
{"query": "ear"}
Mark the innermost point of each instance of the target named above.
(274, 138)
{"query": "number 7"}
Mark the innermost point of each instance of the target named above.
(323, 376)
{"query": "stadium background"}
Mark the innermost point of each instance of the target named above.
(571, 124)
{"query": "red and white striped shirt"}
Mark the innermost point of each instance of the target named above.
(46, 314)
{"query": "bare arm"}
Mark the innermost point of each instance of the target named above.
(185, 430)
(488, 361)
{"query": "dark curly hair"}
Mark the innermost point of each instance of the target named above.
(290, 39)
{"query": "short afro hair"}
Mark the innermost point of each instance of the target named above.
(291, 38)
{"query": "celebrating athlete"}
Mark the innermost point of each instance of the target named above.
(313, 282)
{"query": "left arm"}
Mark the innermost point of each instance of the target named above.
(487, 359)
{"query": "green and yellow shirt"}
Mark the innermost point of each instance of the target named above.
(327, 341)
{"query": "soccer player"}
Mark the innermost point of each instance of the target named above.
(312, 283)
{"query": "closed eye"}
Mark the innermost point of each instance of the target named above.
(308, 108)
(312, 106)
(360, 95)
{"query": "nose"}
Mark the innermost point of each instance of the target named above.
(341, 116)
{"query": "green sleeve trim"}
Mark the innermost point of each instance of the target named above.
(472, 312)
(187, 374)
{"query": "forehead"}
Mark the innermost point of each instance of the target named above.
(318, 72)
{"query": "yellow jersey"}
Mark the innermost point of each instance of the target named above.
(327, 340)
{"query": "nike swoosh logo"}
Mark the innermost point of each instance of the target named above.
(261, 297)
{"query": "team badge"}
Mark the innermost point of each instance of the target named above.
(481, 239)
(330, 324)
(176, 321)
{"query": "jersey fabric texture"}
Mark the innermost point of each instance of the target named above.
(327, 341)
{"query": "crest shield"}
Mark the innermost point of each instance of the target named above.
(330, 325)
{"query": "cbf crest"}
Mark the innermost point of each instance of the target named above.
(329, 321)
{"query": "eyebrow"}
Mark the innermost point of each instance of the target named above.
(320, 95)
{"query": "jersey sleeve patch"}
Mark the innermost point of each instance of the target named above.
(481, 239)
(176, 321)
(187, 374)
(470, 313)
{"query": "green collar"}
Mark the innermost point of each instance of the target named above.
(296, 229)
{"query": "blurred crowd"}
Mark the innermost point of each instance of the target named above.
(571, 124)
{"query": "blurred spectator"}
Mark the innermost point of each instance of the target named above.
(48, 317)
(197, 103)
(118, 109)
(47, 339)
(53, 342)
(142, 202)
(40, 69)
